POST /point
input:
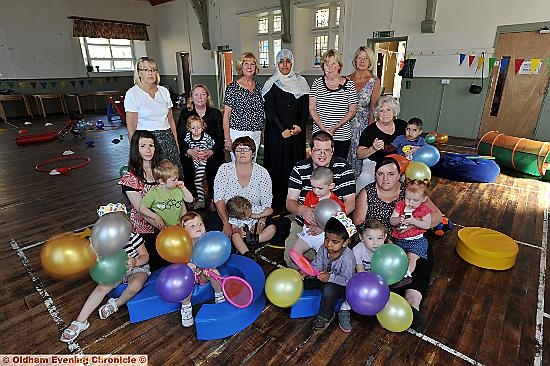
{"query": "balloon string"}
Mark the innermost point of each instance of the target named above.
(93, 250)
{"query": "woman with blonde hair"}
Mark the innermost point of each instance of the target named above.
(149, 107)
(243, 113)
(200, 104)
(368, 93)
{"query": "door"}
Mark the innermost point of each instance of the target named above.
(514, 100)
(224, 71)
(184, 74)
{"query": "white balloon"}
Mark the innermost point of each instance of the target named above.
(325, 210)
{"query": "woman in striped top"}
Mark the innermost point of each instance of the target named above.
(333, 102)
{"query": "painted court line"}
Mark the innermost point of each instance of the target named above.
(517, 241)
(47, 299)
(445, 348)
(539, 335)
(43, 241)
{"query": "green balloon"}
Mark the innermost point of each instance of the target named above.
(397, 316)
(110, 269)
(283, 287)
(123, 170)
(390, 262)
(418, 170)
(430, 139)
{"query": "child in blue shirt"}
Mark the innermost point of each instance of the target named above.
(406, 145)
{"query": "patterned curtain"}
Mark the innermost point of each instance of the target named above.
(109, 29)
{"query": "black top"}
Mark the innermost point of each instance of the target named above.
(214, 128)
(283, 110)
(372, 132)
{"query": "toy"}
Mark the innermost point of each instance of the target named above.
(75, 125)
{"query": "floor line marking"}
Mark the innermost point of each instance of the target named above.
(539, 335)
(445, 347)
(517, 241)
(47, 299)
(43, 241)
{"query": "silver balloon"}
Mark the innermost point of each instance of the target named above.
(325, 210)
(110, 233)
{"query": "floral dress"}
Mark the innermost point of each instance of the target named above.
(358, 124)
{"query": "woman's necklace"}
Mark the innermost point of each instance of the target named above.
(332, 83)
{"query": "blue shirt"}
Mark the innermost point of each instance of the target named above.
(401, 141)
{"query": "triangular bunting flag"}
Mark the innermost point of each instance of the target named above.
(63, 84)
(535, 62)
(43, 84)
(108, 79)
(471, 59)
(517, 65)
(90, 81)
(504, 63)
(462, 57)
(22, 85)
(81, 82)
(53, 84)
(73, 83)
(11, 84)
(115, 78)
(33, 84)
(492, 61)
(480, 62)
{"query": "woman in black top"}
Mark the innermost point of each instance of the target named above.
(200, 104)
(287, 110)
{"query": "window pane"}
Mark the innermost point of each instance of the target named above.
(337, 16)
(321, 18)
(123, 65)
(121, 52)
(104, 65)
(321, 43)
(125, 42)
(264, 53)
(97, 40)
(276, 50)
(99, 51)
(501, 80)
(263, 25)
(277, 23)
(336, 41)
(83, 50)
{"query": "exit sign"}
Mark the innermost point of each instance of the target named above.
(382, 34)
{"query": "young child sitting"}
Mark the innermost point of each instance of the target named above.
(194, 225)
(373, 235)
(322, 183)
(164, 203)
(197, 139)
(336, 263)
(137, 273)
(248, 232)
(406, 145)
(411, 218)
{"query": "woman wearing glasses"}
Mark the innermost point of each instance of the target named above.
(245, 178)
(149, 107)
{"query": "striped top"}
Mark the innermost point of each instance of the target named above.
(300, 178)
(332, 105)
(131, 247)
(204, 143)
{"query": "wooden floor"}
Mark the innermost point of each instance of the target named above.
(475, 316)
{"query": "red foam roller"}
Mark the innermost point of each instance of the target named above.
(39, 137)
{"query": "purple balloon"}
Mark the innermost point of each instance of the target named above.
(175, 282)
(367, 293)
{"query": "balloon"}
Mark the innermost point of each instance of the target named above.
(110, 233)
(174, 244)
(175, 282)
(428, 155)
(418, 170)
(99, 125)
(432, 133)
(442, 138)
(123, 170)
(283, 287)
(211, 250)
(397, 316)
(67, 255)
(401, 160)
(324, 210)
(430, 138)
(367, 293)
(110, 269)
(390, 262)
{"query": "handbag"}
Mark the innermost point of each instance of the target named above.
(474, 88)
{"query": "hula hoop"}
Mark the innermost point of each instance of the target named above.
(86, 161)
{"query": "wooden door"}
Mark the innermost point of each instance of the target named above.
(513, 100)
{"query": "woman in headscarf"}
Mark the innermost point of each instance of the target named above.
(287, 110)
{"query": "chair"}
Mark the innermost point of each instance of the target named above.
(40, 102)
(14, 98)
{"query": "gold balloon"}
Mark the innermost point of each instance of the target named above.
(397, 316)
(66, 256)
(174, 244)
(442, 138)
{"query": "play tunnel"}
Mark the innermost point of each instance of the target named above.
(519, 153)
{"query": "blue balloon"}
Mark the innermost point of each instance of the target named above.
(367, 293)
(211, 250)
(175, 282)
(428, 155)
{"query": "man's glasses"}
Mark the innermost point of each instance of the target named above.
(243, 149)
(321, 151)
(152, 71)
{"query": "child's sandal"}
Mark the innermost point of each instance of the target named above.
(108, 309)
(70, 335)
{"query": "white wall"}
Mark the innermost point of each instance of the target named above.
(36, 37)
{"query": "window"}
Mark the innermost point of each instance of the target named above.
(108, 54)
(269, 38)
(325, 32)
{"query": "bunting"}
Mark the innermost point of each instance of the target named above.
(73, 83)
(492, 61)
(535, 62)
(471, 59)
(115, 78)
(43, 84)
(22, 85)
(33, 84)
(90, 81)
(480, 62)
(462, 57)
(504, 63)
(53, 84)
(11, 84)
(81, 82)
(517, 66)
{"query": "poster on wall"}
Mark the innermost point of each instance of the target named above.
(530, 67)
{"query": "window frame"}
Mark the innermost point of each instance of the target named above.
(331, 31)
(88, 60)
(270, 37)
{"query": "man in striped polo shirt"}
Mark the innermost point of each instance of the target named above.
(322, 150)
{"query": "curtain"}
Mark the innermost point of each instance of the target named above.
(109, 29)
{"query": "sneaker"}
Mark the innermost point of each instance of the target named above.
(419, 321)
(219, 297)
(344, 321)
(250, 254)
(187, 316)
(404, 282)
(321, 322)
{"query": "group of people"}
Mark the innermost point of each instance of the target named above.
(178, 166)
